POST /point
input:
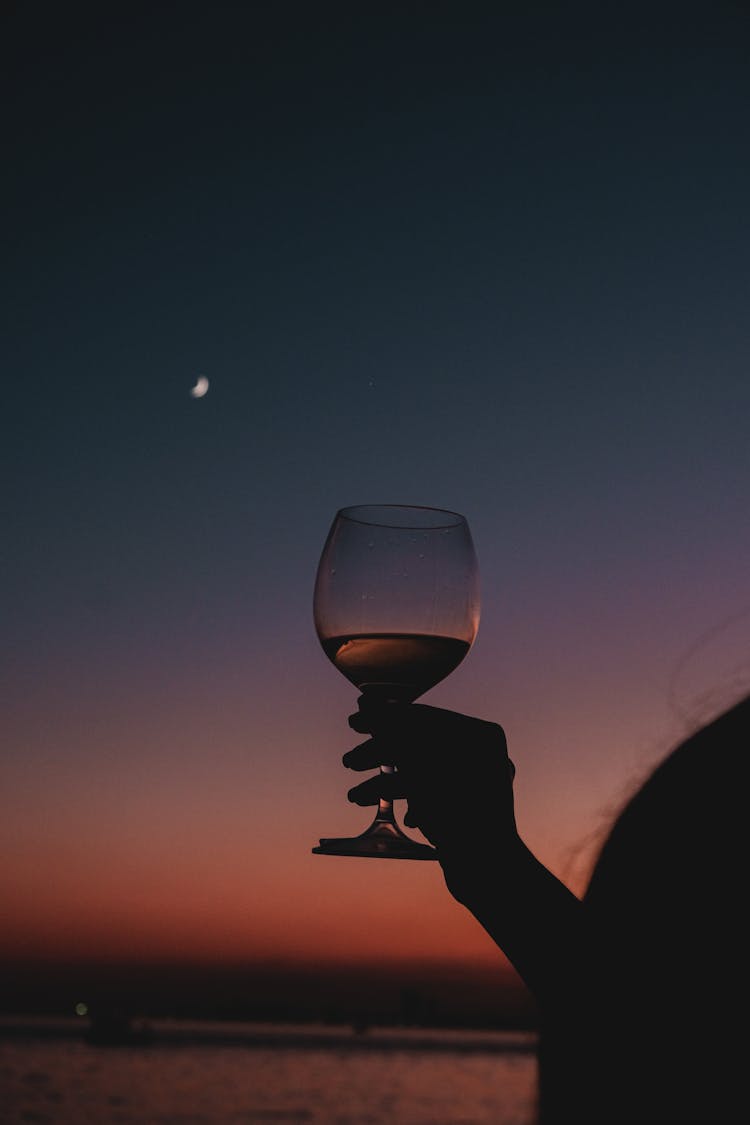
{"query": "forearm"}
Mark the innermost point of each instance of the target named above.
(533, 917)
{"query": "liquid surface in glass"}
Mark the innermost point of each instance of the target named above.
(400, 665)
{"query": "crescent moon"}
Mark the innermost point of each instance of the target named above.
(200, 387)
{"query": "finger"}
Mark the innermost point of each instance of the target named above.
(359, 722)
(386, 785)
(366, 756)
(381, 714)
(410, 819)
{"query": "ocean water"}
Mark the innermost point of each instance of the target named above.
(220, 1076)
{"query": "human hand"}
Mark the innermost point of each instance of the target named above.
(453, 770)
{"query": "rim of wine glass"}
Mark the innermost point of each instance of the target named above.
(383, 509)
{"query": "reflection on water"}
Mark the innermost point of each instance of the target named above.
(402, 1079)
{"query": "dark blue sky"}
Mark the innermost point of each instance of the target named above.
(383, 233)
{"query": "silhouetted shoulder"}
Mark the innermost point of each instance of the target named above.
(666, 936)
(679, 834)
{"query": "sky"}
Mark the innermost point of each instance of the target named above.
(490, 258)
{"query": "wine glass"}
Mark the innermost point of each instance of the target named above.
(396, 609)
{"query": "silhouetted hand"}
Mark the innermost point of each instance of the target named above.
(453, 770)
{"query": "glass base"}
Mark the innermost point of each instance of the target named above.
(382, 840)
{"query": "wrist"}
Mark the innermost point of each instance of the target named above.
(477, 868)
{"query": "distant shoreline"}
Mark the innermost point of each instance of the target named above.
(148, 1034)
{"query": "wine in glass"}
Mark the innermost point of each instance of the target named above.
(396, 610)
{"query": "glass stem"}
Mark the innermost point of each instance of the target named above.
(385, 807)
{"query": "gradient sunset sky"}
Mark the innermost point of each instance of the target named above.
(456, 255)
